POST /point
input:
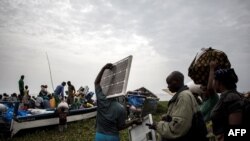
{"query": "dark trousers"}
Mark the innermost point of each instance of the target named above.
(21, 95)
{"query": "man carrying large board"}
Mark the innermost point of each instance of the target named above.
(111, 115)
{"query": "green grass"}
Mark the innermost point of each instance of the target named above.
(77, 131)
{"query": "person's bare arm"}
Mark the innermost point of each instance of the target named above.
(210, 88)
(99, 76)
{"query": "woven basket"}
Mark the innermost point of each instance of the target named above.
(198, 71)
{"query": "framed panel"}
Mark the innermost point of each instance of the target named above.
(114, 82)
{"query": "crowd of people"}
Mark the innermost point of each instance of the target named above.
(57, 100)
(204, 114)
(219, 113)
(46, 100)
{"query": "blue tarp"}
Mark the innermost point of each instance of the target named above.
(136, 101)
(9, 114)
(23, 113)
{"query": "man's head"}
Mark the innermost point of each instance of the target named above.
(42, 87)
(175, 81)
(63, 83)
(22, 76)
(68, 83)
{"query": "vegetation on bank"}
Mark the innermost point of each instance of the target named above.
(77, 131)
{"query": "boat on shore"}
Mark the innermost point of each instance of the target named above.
(39, 118)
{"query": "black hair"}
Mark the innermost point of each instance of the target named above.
(227, 77)
(177, 76)
(63, 83)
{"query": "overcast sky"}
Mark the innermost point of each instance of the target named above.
(81, 36)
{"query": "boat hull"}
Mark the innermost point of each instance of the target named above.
(42, 120)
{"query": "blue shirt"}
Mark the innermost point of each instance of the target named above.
(59, 90)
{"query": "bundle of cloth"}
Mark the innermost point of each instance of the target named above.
(198, 71)
(63, 105)
(39, 111)
(6, 112)
(3, 108)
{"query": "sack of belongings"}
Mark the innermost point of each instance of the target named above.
(198, 71)
(3, 108)
(63, 104)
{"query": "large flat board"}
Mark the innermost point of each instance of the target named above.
(114, 82)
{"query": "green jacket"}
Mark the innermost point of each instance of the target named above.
(21, 84)
(181, 108)
(207, 106)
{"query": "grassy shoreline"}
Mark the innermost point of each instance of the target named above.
(77, 131)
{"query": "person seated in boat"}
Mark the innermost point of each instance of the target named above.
(52, 101)
(46, 104)
(44, 95)
(46, 99)
(43, 92)
(46, 89)
(79, 94)
(89, 99)
(76, 104)
(86, 105)
(82, 91)
(80, 97)
(13, 97)
(39, 103)
(31, 102)
(6, 97)
(59, 93)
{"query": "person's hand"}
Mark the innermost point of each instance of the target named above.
(108, 66)
(213, 64)
(220, 137)
(151, 126)
(137, 121)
